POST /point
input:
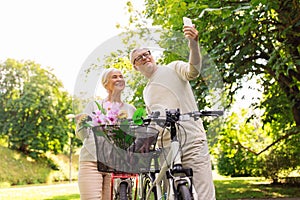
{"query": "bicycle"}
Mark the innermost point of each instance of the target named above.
(124, 142)
(180, 180)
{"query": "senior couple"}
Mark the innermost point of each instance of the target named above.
(168, 88)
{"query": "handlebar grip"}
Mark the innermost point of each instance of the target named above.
(212, 113)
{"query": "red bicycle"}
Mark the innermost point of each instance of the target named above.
(122, 185)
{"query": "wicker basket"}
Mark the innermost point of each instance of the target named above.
(125, 148)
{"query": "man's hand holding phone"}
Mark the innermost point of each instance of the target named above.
(189, 29)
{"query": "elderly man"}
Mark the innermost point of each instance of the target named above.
(169, 88)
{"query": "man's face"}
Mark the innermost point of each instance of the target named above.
(141, 56)
(143, 61)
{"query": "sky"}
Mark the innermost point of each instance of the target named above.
(59, 34)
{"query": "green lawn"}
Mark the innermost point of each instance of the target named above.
(41, 192)
(253, 188)
(226, 188)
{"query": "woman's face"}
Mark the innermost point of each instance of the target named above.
(115, 81)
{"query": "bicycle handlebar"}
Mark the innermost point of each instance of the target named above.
(174, 115)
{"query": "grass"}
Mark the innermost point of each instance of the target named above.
(16, 170)
(253, 188)
(41, 192)
(226, 189)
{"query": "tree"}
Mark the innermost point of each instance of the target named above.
(34, 108)
(248, 39)
(245, 38)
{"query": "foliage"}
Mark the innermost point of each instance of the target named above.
(249, 39)
(34, 109)
(233, 159)
(282, 159)
(243, 38)
(245, 147)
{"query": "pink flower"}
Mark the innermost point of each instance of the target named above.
(110, 117)
(98, 118)
(112, 108)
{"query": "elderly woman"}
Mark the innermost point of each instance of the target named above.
(92, 183)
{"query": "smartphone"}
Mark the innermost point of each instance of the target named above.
(187, 21)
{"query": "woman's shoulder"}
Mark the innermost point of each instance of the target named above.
(127, 105)
(92, 105)
(130, 109)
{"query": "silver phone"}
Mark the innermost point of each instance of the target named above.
(187, 21)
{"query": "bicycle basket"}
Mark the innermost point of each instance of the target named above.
(124, 148)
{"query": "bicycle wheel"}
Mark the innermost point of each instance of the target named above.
(184, 193)
(146, 187)
(123, 191)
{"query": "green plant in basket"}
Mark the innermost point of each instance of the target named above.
(112, 123)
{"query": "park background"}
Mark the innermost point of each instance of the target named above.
(254, 46)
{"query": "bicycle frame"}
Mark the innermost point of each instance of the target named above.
(174, 157)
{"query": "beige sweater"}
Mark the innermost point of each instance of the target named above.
(169, 88)
(88, 150)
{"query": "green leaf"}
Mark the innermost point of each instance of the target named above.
(129, 139)
(100, 107)
(99, 131)
(138, 116)
(119, 133)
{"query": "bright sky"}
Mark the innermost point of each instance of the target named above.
(58, 33)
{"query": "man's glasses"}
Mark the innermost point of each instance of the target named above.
(140, 57)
